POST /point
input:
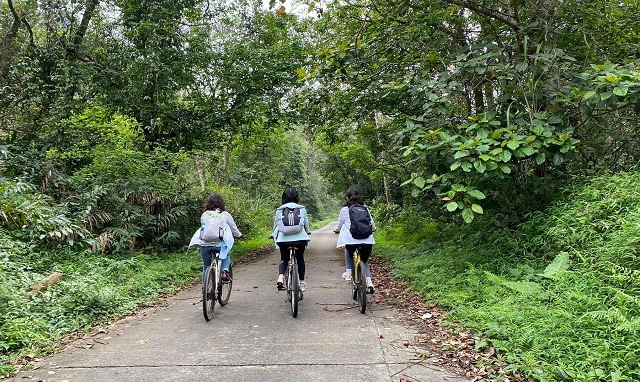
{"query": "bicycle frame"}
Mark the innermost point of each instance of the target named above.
(292, 281)
(213, 288)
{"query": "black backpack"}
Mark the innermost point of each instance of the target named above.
(361, 225)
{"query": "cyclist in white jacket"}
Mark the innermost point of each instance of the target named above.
(347, 240)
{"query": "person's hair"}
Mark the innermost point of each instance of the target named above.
(214, 202)
(289, 195)
(353, 197)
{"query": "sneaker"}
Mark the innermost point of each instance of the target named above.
(280, 283)
(303, 286)
(226, 276)
(347, 276)
(370, 289)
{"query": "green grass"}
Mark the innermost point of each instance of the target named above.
(321, 223)
(95, 289)
(559, 295)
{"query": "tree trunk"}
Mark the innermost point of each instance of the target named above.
(48, 281)
(200, 168)
(8, 40)
(387, 193)
(478, 97)
(224, 162)
(488, 95)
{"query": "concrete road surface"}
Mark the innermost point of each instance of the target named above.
(254, 337)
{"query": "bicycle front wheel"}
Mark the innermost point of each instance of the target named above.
(224, 288)
(294, 288)
(362, 286)
(209, 292)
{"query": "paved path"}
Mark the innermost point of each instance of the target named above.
(254, 337)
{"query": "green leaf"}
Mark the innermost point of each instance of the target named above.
(480, 166)
(477, 208)
(559, 264)
(589, 94)
(605, 96)
(522, 66)
(452, 206)
(528, 150)
(419, 182)
(467, 215)
(461, 154)
(620, 91)
(476, 194)
(524, 287)
(513, 144)
(504, 168)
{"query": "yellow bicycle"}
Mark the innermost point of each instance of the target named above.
(359, 282)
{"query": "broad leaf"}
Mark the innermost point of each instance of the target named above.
(476, 194)
(559, 264)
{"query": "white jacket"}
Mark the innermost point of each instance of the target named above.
(344, 223)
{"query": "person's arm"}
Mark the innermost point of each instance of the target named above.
(373, 224)
(342, 218)
(306, 221)
(232, 224)
(275, 220)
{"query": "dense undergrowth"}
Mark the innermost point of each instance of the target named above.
(94, 290)
(559, 296)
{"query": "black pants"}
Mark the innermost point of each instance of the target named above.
(284, 256)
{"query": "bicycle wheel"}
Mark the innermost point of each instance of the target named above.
(209, 292)
(224, 288)
(294, 287)
(362, 286)
(354, 281)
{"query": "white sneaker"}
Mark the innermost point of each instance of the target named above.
(303, 286)
(347, 276)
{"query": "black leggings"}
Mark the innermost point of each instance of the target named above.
(284, 256)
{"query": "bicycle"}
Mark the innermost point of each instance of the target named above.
(359, 282)
(215, 288)
(292, 282)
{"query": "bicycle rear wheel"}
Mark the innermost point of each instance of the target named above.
(294, 288)
(224, 288)
(209, 292)
(354, 280)
(362, 286)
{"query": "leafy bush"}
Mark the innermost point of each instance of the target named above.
(560, 295)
